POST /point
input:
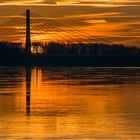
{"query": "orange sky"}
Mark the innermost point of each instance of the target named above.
(118, 21)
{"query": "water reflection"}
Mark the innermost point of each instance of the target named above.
(74, 103)
(28, 88)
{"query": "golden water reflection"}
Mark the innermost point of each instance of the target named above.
(74, 103)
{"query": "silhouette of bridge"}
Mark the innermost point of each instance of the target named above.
(30, 27)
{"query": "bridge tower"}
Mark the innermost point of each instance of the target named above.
(28, 36)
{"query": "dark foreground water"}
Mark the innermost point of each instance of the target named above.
(69, 103)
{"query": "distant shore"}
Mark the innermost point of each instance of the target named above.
(73, 61)
(75, 55)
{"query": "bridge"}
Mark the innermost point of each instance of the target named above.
(30, 27)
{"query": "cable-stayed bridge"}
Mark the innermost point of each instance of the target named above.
(30, 27)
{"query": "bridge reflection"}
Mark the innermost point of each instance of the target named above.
(33, 78)
(28, 90)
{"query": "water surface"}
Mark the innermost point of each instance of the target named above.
(69, 103)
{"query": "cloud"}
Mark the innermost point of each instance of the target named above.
(99, 3)
(20, 2)
(109, 19)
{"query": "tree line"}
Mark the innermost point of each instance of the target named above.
(58, 48)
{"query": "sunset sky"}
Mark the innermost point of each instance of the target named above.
(115, 20)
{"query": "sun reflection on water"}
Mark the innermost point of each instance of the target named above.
(74, 103)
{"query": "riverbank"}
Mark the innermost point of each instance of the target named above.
(74, 61)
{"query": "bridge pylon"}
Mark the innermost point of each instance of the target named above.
(28, 36)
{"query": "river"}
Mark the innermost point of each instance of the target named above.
(69, 103)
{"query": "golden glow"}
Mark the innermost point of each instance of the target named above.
(117, 21)
(70, 2)
(69, 110)
(66, 104)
